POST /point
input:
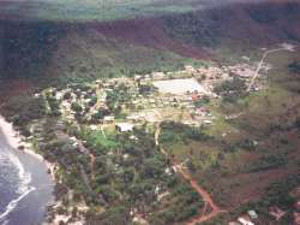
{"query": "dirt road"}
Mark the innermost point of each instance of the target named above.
(214, 209)
(261, 63)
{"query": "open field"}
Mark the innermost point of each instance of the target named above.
(179, 86)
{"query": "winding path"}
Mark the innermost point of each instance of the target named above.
(214, 209)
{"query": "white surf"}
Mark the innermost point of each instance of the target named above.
(24, 185)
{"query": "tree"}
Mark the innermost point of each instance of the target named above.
(235, 87)
(294, 67)
(76, 107)
(67, 95)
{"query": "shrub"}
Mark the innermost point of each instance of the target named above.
(76, 107)
(294, 67)
(266, 163)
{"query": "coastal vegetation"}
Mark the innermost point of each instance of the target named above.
(126, 176)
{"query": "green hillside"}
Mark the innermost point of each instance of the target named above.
(92, 10)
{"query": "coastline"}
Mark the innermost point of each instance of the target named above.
(14, 140)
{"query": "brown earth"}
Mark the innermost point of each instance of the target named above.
(253, 185)
(149, 33)
(12, 88)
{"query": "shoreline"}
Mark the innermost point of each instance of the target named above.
(14, 140)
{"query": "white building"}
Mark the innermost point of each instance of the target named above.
(124, 127)
(109, 119)
(252, 214)
(244, 221)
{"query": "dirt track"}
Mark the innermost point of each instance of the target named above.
(261, 63)
(214, 209)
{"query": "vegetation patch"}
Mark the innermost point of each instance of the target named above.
(266, 163)
(294, 67)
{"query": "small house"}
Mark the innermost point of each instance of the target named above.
(124, 127)
(252, 214)
(133, 118)
(207, 122)
(137, 77)
(234, 223)
(158, 75)
(109, 119)
(93, 127)
(245, 221)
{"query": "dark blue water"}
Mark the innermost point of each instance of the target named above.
(25, 187)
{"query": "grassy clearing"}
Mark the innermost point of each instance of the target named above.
(220, 126)
(98, 140)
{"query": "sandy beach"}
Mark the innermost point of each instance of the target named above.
(33, 183)
(14, 139)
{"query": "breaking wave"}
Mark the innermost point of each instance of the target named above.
(24, 187)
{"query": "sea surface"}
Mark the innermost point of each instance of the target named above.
(25, 187)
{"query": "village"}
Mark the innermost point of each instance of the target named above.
(112, 105)
(123, 103)
(150, 112)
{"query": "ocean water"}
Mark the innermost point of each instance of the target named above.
(25, 187)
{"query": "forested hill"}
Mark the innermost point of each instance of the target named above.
(40, 46)
(103, 10)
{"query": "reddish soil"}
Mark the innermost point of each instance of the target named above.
(260, 33)
(214, 209)
(13, 87)
(253, 185)
(149, 33)
(210, 206)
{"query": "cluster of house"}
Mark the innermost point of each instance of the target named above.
(181, 90)
(277, 213)
(187, 72)
(83, 99)
(209, 76)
